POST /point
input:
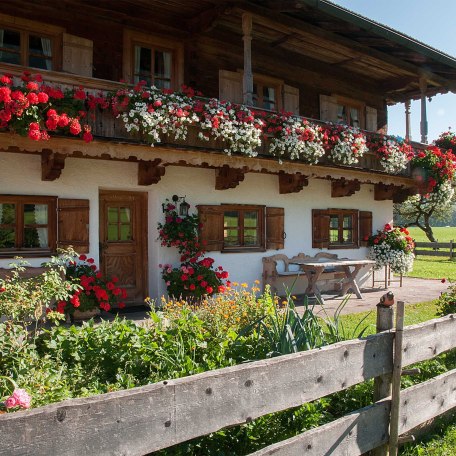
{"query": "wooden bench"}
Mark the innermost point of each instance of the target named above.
(277, 269)
(28, 273)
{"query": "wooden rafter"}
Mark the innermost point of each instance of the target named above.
(52, 164)
(292, 183)
(207, 20)
(344, 187)
(226, 177)
(150, 172)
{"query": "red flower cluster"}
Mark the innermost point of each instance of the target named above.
(433, 167)
(94, 290)
(31, 109)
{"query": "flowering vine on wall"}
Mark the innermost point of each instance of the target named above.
(196, 276)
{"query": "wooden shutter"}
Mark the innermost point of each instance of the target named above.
(73, 224)
(371, 119)
(211, 231)
(328, 108)
(275, 228)
(365, 226)
(320, 229)
(291, 99)
(230, 86)
(77, 55)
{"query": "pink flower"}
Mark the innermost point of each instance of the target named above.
(19, 398)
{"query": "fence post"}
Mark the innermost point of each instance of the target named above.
(383, 383)
(451, 249)
(397, 372)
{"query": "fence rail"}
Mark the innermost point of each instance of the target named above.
(145, 419)
(440, 249)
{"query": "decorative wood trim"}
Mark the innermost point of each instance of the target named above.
(384, 192)
(226, 177)
(343, 187)
(149, 172)
(116, 150)
(401, 194)
(292, 183)
(52, 164)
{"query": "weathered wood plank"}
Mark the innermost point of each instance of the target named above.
(434, 245)
(427, 400)
(352, 435)
(142, 420)
(438, 253)
(429, 339)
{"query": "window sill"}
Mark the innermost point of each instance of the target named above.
(343, 246)
(26, 254)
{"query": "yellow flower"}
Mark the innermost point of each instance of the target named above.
(256, 281)
(244, 285)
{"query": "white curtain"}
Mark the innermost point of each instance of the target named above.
(47, 51)
(41, 218)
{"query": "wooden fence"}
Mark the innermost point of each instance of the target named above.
(441, 249)
(145, 419)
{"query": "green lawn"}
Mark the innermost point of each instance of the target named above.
(441, 233)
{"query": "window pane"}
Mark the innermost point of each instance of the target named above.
(40, 52)
(255, 95)
(250, 237)
(250, 219)
(125, 215)
(348, 235)
(11, 39)
(268, 98)
(334, 221)
(162, 65)
(7, 213)
(35, 237)
(35, 214)
(348, 221)
(9, 57)
(231, 237)
(125, 233)
(113, 214)
(341, 114)
(7, 238)
(333, 236)
(354, 117)
(113, 232)
(231, 219)
(143, 64)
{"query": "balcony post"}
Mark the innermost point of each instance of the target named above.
(408, 135)
(248, 75)
(424, 122)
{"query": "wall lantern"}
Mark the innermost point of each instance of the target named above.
(183, 206)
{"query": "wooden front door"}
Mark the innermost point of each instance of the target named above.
(123, 241)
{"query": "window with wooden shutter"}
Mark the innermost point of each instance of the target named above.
(320, 229)
(211, 230)
(27, 225)
(73, 224)
(275, 228)
(328, 108)
(365, 227)
(291, 99)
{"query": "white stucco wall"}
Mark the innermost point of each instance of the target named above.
(83, 178)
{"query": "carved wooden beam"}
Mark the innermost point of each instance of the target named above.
(343, 187)
(292, 183)
(401, 194)
(52, 164)
(149, 172)
(226, 177)
(384, 192)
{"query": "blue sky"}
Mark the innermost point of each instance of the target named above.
(432, 22)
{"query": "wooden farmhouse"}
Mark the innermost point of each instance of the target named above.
(310, 58)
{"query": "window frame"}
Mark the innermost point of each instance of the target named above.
(242, 209)
(26, 28)
(341, 213)
(20, 201)
(133, 38)
(348, 103)
(265, 81)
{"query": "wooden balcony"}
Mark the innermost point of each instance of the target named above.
(106, 127)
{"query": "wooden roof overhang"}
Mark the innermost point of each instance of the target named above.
(313, 34)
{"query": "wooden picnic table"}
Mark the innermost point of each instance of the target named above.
(314, 270)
